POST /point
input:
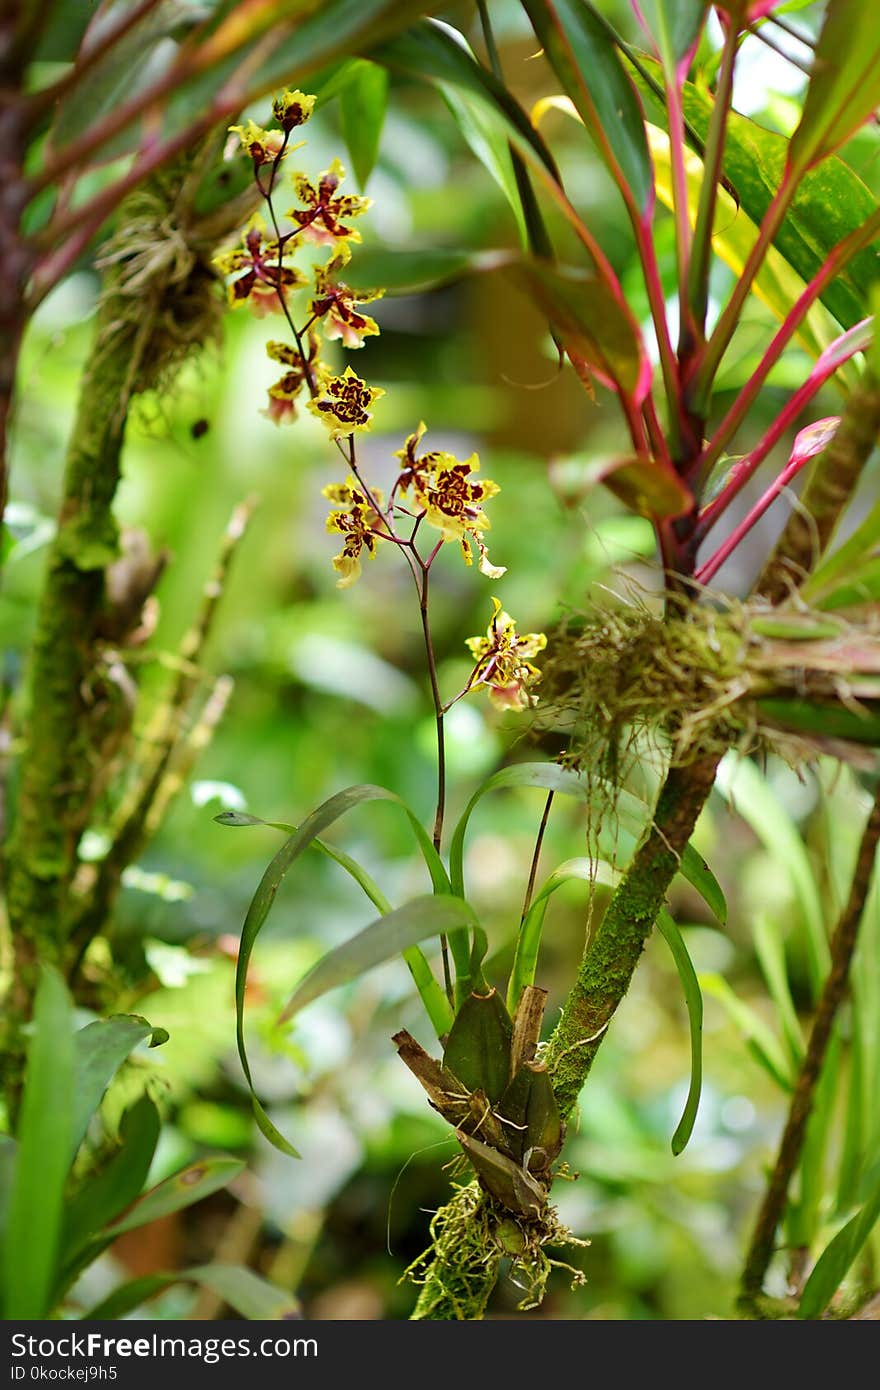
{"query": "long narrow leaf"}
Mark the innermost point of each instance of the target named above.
(760, 1039)
(693, 999)
(362, 104)
(182, 1190)
(428, 52)
(585, 60)
(770, 951)
(838, 1256)
(249, 1295)
(675, 26)
(845, 86)
(33, 1224)
(748, 792)
(631, 812)
(290, 851)
(388, 936)
(99, 1051)
(777, 284)
(548, 776)
(805, 1216)
(841, 562)
(528, 941)
(435, 1001)
(106, 1193)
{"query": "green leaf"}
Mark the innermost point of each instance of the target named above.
(629, 809)
(485, 134)
(844, 87)
(804, 1217)
(830, 202)
(477, 1050)
(748, 792)
(592, 323)
(528, 941)
(491, 120)
(770, 951)
(436, 1004)
(693, 999)
(183, 1189)
(362, 105)
(777, 284)
(129, 67)
(860, 725)
(583, 56)
(432, 915)
(332, 29)
(116, 1184)
(837, 1257)
(865, 1065)
(862, 586)
(433, 51)
(548, 776)
(304, 836)
(647, 486)
(249, 1295)
(675, 26)
(847, 557)
(345, 861)
(100, 1050)
(42, 1161)
(761, 1040)
(401, 271)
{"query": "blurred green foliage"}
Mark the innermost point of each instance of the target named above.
(330, 689)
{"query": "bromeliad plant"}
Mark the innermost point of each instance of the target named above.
(794, 666)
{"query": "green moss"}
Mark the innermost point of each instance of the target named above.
(470, 1237)
(160, 302)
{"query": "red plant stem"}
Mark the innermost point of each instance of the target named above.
(89, 218)
(727, 547)
(836, 260)
(710, 359)
(189, 64)
(668, 363)
(670, 550)
(713, 155)
(46, 97)
(683, 234)
(743, 471)
(655, 430)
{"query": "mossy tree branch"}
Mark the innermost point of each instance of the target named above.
(56, 767)
(613, 953)
(135, 822)
(160, 302)
(18, 36)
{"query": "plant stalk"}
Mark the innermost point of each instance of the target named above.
(843, 945)
(831, 483)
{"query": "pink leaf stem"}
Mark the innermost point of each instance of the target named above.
(834, 355)
(836, 260)
(687, 331)
(90, 217)
(87, 58)
(713, 156)
(668, 363)
(799, 457)
(709, 360)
